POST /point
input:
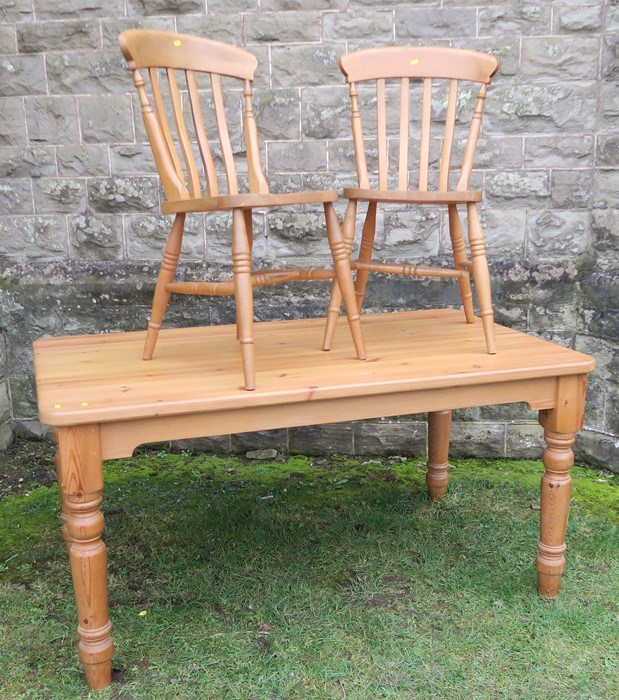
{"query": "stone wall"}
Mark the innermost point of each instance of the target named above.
(80, 231)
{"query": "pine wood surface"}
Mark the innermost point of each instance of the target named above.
(102, 378)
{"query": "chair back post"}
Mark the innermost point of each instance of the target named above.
(471, 142)
(257, 180)
(357, 136)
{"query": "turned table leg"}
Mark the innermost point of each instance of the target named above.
(437, 476)
(560, 427)
(80, 479)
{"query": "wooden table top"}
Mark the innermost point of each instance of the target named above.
(102, 378)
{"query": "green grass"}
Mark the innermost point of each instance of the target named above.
(315, 580)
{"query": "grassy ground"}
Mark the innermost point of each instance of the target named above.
(316, 579)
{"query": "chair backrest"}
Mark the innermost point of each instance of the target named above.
(428, 69)
(173, 64)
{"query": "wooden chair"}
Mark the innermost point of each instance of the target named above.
(173, 63)
(430, 68)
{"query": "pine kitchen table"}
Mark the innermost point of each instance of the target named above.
(103, 400)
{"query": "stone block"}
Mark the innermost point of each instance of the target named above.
(514, 19)
(8, 44)
(595, 405)
(23, 393)
(226, 28)
(436, 23)
(165, 7)
(95, 237)
(31, 429)
(12, 122)
(507, 52)
(282, 27)
(91, 161)
(390, 438)
(409, 234)
(524, 441)
(234, 6)
(219, 444)
(605, 230)
(507, 412)
(277, 114)
(612, 18)
(606, 189)
(69, 9)
(16, 11)
(569, 20)
(504, 231)
(332, 438)
(147, 235)
(325, 113)
(557, 108)
(52, 120)
(260, 440)
(58, 195)
(106, 119)
(573, 57)
(279, 5)
(342, 160)
(495, 151)
(598, 450)
(6, 435)
(297, 234)
(297, 156)
(480, 440)
(27, 162)
(376, 25)
(34, 237)
(559, 151)
(306, 65)
(606, 353)
(15, 196)
(511, 188)
(123, 194)
(22, 75)
(132, 160)
(5, 402)
(112, 27)
(571, 188)
(387, 3)
(58, 36)
(608, 106)
(610, 56)
(88, 73)
(607, 151)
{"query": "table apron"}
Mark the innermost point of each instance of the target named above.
(120, 438)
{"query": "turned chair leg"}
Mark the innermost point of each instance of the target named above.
(335, 302)
(243, 296)
(80, 479)
(460, 260)
(167, 271)
(341, 264)
(365, 252)
(437, 476)
(481, 275)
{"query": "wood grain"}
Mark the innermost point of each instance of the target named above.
(407, 351)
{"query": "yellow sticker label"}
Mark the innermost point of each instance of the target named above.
(84, 404)
(414, 61)
(177, 42)
(57, 405)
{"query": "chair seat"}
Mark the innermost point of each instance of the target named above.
(414, 197)
(248, 201)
